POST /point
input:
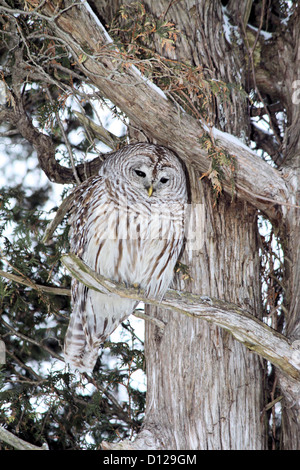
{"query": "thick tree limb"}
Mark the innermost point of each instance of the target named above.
(248, 330)
(148, 107)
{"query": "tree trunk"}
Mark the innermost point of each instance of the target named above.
(291, 388)
(201, 381)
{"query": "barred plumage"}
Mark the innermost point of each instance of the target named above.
(128, 225)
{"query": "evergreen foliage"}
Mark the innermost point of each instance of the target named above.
(40, 398)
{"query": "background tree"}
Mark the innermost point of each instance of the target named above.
(200, 77)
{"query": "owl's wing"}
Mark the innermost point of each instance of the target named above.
(94, 315)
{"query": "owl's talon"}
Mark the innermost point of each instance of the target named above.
(137, 286)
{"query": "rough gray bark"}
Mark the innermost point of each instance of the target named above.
(183, 418)
(197, 394)
(291, 389)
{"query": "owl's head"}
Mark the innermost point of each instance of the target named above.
(153, 178)
(152, 170)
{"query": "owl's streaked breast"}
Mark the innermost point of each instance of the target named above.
(134, 242)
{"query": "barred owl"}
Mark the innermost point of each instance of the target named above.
(127, 223)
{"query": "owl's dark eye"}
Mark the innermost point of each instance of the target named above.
(140, 173)
(164, 180)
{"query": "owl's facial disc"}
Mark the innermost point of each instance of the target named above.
(152, 179)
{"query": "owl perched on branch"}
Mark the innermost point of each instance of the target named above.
(127, 224)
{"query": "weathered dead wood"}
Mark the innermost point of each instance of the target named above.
(247, 329)
(17, 443)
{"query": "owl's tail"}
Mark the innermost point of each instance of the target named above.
(79, 353)
(93, 320)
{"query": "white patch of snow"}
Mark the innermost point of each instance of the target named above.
(265, 34)
(87, 6)
(229, 29)
(217, 134)
(149, 82)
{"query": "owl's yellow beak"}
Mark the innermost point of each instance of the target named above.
(150, 190)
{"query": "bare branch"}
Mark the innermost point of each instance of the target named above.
(67, 143)
(45, 148)
(99, 132)
(60, 214)
(251, 57)
(17, 443)
(32, 285)
(30, 340)
(248, 330)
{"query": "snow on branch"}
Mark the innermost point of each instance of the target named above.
(248, 330)
(146, 106)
